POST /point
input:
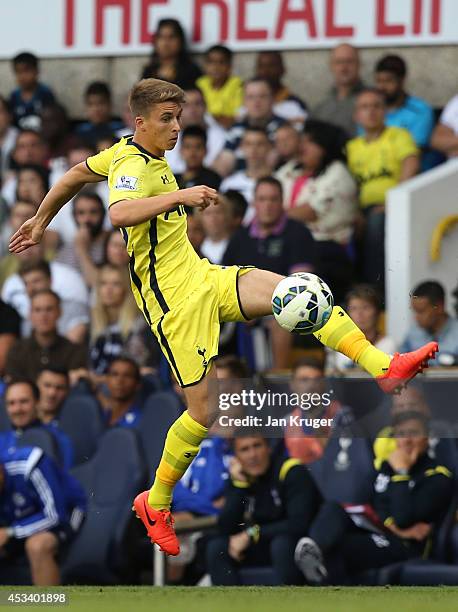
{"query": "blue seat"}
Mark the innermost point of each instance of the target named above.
(160, 410)
(38, 436)
(111, 479)
(81, 419)
(345, 473)
(5, 424)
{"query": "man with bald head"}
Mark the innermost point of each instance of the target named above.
(338, 105)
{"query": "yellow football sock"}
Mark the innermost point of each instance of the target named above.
(344, 336)
(181, 446)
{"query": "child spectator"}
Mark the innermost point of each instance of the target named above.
(28, 99)
(193, 152)
(171, 60)
(270, 66)
(100, 124)
(222, 91)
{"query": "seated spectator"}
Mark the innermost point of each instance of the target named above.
(100, 123)
(193, 152)
(379, 160)
(21, 400)
(121, 403)
(87, 250)
(270, 66)
(45, 346)
(269, 505)
(115, 252)
(115, 318)
(411, 494)
(288, 147)
(338, 106)
(30, 149)
(10, 331)
(74, 320)
(195, 113)
(8, 135)
(55, 129)
(238, 205)
(65, 281)
(273, 242)
(256, 148)
(223, 92)
(402, 109)
(364, 306)
(432, 322)
(301, 442)
(258, 104)
(32, 184)
(171, 59)
(324, 198)
(20, 212)
(195, 231)
(445, 134)
(54, 384)
(42, 508)
(28, 99)
(217, 224)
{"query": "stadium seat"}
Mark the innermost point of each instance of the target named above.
(81, 419)
(37, 436)
(428, 573)
(160, 410)
(345, 472)
(111, 480)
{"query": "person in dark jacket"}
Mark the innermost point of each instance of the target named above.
(269, 504)
(411, 495)
(41, 510)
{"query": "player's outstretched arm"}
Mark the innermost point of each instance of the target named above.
(65, 189)
(127, 213)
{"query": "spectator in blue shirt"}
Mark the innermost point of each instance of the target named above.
(121, 404)
(41, 510)
(432, 322)
(100, 124)
(21, 401)
(402, 109)
(27, 100)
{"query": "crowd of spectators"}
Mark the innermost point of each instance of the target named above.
(301, 189)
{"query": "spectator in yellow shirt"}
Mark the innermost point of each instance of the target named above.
(379, 159)
(222, 91)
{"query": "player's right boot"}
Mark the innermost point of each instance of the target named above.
(405, 366)
(158, 523)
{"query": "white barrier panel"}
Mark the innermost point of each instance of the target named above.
(413, 211)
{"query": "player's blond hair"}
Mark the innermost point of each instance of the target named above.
(148, 92)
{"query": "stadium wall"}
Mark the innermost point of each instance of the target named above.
(414, 210)
(432, 73)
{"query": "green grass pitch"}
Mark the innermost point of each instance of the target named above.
(248, 599)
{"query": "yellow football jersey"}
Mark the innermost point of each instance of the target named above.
(164, 267)
(376, 165)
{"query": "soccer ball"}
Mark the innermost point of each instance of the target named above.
(302, 303)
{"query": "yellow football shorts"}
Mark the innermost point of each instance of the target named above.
(189, 333)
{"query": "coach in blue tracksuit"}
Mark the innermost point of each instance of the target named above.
(41, 510)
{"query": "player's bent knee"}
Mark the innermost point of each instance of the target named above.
(43, 543)
(255, 292)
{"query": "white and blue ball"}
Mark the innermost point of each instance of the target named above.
(302, 303)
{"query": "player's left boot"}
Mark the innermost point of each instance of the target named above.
(158, 523)
(403, 367)
(309, 559)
